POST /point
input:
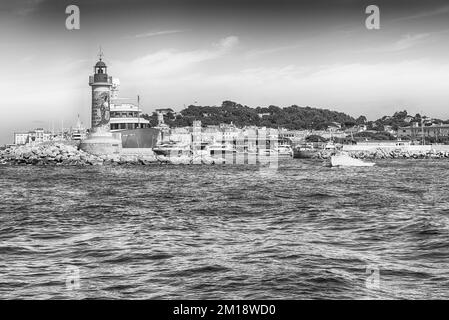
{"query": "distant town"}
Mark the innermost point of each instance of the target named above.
(293, 125)
(296, 124)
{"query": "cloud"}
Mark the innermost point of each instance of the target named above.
(256, 53)
(356, 88)
(406, 42)
(425, 14)
(409, 41)
(227, 43)
(168, 61)
(157, 33)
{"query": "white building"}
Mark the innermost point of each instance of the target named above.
(21, 138)
(161, 125)
(36, 136)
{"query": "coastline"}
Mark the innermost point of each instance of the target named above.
(70, 155)
(417, 152)
(64, 154)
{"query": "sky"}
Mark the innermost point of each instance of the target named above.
(174, 53)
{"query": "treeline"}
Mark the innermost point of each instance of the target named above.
(402, 119)
(293, 117)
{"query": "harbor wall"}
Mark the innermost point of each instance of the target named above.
(407, 152)
(369, 147)
(403, 148)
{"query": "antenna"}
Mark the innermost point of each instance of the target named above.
(100, 54)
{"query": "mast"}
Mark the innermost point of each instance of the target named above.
(138, 111)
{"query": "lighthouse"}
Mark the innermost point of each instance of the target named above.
(100, 140)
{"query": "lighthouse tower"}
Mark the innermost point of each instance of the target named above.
(101, 140)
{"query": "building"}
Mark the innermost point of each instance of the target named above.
(21, 138)
(35, 136)
(161, 125)
(408, 119)
(416, 132)
(125, 115)
(356, 129)
(390, 130)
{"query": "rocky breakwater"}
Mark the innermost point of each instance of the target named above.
(63, 154)
(47, 155)
(70, 155)
(195, 159)
(383, 153)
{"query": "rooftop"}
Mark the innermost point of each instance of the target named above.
(100, 64)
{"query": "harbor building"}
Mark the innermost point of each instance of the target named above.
(416, 132)
(38, 135)
(21, 138)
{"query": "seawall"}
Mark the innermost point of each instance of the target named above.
(397, 152)
(69, 154)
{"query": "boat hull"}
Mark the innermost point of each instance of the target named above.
(347, 161)
(305, 154)
(139, 138)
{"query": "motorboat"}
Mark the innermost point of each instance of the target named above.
(305, 151)
(344, 160)
(172, 149)
(313, 150)
(284, 151)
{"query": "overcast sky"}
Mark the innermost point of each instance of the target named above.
(258, 53)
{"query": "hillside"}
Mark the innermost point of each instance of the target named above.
(293, 117)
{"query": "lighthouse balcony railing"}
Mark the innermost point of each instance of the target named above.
(101, 77)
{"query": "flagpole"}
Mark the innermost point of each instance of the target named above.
(138, 111)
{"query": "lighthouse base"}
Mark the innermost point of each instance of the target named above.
(101, 144)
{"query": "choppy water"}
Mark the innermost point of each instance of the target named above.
(232, 232)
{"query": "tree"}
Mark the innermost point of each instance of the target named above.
(292, 117)
(315, 138)
(361, 120)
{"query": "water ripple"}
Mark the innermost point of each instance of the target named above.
(226, 232)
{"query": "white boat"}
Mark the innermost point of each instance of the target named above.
(344, 160)
(284, 151)
(172, 149)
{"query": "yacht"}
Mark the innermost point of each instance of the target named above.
(172, 149)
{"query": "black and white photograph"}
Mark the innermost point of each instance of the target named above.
(241, 151)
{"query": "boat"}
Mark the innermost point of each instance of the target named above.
(305, 151)
(139, 138)
(284, 151)
(312, 150)
(172, 149)
(344, 160)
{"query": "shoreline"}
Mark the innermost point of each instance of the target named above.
(58, 154)
(388, 153)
